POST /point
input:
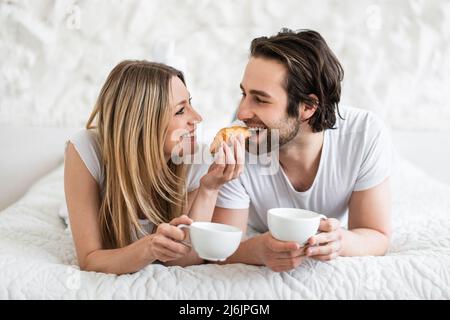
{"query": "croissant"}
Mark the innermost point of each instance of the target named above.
(225, 134)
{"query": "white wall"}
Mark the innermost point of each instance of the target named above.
(56, 54)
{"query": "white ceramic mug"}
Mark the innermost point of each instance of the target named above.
(213, 241)
(292, 224)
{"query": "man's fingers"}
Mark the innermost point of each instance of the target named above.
(319, 250)
(280, 246)
(329, 225)
(323, 237)
(282, 265)
(291, 254)
(324, 250)
(326, 257)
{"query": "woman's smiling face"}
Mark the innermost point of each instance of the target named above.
(181, 130)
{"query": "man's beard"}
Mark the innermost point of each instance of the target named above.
(272, 139)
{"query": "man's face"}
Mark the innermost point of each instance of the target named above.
(264, 101)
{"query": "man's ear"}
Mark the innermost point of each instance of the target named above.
(307, 110)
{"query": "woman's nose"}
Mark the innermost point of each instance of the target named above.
(196, 117)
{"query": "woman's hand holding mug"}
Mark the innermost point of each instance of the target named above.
(165, 243)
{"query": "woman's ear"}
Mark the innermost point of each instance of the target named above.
(307, 110)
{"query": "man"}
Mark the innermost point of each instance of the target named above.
(334, 161)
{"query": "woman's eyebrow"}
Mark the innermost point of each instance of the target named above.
(184, 101)
(181, 102)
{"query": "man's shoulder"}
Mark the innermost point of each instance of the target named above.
(351, 120)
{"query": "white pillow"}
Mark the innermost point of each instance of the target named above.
(28, 153)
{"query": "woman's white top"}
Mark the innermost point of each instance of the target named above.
(87, 145)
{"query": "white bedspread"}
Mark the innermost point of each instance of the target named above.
(37, 258)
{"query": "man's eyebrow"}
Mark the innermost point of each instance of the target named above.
(257, 92)
(260, 93)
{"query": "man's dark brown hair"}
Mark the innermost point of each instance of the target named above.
(312, 68)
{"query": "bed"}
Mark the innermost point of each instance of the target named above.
(37, 258)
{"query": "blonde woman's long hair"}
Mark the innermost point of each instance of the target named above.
(131, 116)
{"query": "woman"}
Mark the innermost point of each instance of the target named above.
(125, 195)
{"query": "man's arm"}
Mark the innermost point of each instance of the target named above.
(369, 222)
(369, 227)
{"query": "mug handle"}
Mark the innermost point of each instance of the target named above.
(182, 226)
(322, 217)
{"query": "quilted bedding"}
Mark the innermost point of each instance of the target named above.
(38, 261)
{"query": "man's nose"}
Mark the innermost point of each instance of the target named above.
(244, 111)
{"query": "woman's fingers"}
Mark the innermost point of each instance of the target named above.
(219, 157)
(239, 153)
(176, 248)
(235, 157)
(172, 231)
(163, 257)
(184, 219)
(239, 149)
(229, 160)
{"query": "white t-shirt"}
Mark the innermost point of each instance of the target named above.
(87, 145)
(356, 156)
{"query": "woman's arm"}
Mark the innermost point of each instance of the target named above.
(125, 260)
(228, 165)
(83, 203)
(201, 202)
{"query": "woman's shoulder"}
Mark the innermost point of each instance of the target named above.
(86, 143)
(85, 136)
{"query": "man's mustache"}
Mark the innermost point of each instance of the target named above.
(255, 123)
